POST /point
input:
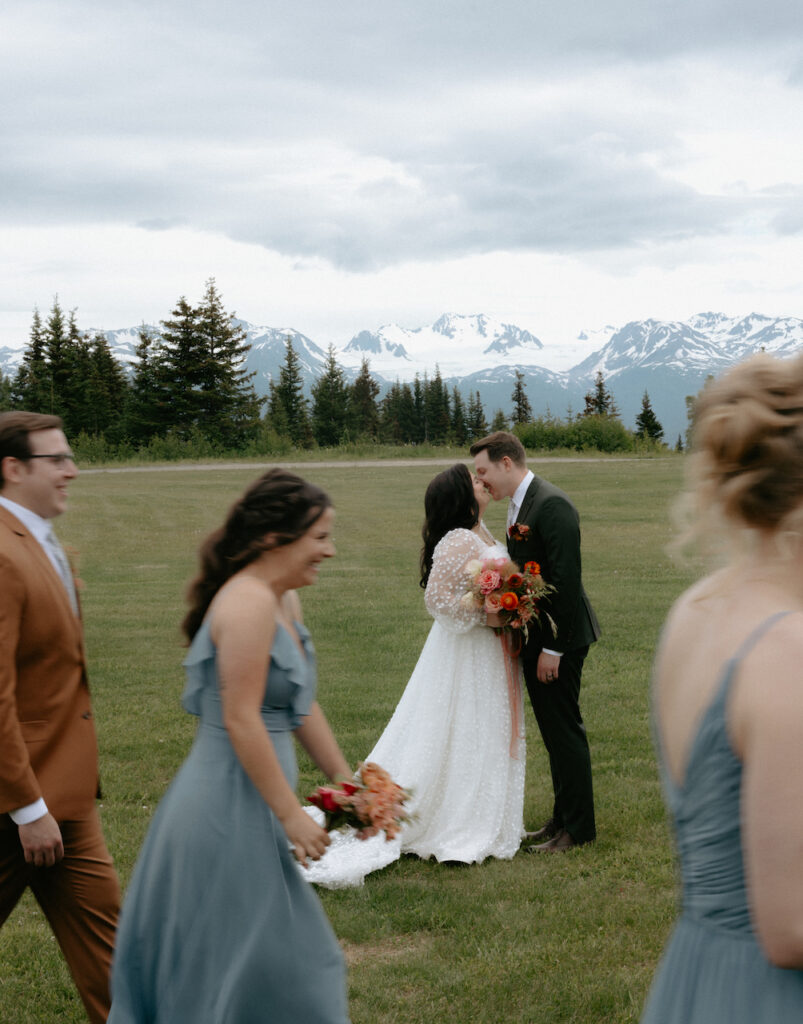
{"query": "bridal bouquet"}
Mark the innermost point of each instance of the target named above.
(498, 585)
(371, 803)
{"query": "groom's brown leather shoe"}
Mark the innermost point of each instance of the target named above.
(559, 843)
(543, 833)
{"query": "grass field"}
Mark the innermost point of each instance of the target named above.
(573, 938)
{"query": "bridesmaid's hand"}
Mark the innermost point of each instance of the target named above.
(307, 837)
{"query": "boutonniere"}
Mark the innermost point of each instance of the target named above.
(518, 531)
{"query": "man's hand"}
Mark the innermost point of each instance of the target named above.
(548, 667)
(41, 841)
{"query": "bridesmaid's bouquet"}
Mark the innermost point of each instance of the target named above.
(371, 803)
(498, 585)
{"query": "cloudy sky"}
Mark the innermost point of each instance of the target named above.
(341, 164)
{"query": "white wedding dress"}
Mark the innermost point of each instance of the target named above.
(452, 740)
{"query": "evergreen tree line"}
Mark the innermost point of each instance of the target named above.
(187, 382)
(189, 393)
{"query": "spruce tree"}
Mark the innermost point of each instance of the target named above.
(646, 422)
(420, 408)
(287, 405)
(58, 360)
(397, 415)
(499, 421)
(182, 370)
(437, 409)
(389, 426)
(329, 403)
(106, 391)
(408, 420)
(459, 426)
(75, 405)
(600, 402)
(230, 407)
(522, 410)
(679, 444)
(5, 392)
(147, 408)
(30, 388)
(363, 414)
(477, 424)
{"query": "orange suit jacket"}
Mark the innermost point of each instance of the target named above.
(48, 746)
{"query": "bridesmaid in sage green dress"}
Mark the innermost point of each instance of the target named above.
(218, 925)
(728, 702)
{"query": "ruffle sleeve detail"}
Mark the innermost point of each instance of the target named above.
(448, 582)
(199, 664)
(297, 673)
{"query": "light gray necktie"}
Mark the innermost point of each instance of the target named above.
(512, 511)
(64, 568)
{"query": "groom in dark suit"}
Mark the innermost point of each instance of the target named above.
(543, 526)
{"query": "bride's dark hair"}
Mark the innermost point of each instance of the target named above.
(278, 503)
(449, 503)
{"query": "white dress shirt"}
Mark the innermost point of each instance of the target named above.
(513, 511)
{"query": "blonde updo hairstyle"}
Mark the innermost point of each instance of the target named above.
(746, 470)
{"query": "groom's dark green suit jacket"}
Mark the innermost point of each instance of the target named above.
(554, 542)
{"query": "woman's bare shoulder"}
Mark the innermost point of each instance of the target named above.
(243, 600)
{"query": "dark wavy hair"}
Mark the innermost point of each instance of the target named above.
(449, 503)
(278, 503)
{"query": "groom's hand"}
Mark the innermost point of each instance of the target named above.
(548, 667)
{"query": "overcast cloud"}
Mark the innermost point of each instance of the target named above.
(341, 165)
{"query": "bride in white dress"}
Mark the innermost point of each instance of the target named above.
(454, 740)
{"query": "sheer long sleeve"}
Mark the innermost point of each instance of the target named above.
(448, 582)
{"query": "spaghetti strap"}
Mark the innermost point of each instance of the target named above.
(748, 644)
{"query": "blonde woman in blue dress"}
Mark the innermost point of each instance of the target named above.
(218, 925)
(728, 698)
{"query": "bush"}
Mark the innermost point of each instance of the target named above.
(600, 433)
(586, 433)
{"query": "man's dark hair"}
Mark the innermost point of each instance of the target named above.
(501, 444)
(15, 430)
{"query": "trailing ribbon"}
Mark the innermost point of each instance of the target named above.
(510, 649)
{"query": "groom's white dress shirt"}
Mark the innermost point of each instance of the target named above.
(513, 511)
(518, 498)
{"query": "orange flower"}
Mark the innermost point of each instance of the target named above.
(515, 579)
(532, 567)
(509, 601)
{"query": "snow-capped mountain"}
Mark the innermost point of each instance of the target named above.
(457, 344)
(668, 359)
(268, 350)
(653, 343)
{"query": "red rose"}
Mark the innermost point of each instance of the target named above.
(324, 798)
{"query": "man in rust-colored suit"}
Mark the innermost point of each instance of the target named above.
(50, 835)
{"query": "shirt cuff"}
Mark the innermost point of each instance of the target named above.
(558, 654)
(31, 812)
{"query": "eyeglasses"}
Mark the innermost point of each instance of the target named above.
(58, 459)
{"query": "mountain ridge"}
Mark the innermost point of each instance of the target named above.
(475, 352)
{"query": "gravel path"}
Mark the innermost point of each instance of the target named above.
(333, 464)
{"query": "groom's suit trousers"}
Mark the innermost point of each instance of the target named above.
(557, 712)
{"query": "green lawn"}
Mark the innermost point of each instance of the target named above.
(554, 939)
